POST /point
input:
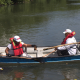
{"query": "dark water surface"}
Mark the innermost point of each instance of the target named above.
(51, 71)
(40, 22)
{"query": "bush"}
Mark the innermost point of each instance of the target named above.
(8, 2)
(5, 2)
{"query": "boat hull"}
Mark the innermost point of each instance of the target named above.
(38, 57)
(61, 59)
(13, 60)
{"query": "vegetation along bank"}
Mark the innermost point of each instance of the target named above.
(9, 2)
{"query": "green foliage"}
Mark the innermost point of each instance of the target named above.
(2, 2)
(8, 2)
(5, 2)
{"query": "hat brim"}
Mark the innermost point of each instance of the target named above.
(18, 40)
(64, 32)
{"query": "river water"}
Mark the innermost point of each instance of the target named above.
(40, 22)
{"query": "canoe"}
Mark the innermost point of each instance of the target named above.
(37, 57)
(39, 60)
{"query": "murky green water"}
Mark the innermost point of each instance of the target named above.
(40, 22)
(52, 71)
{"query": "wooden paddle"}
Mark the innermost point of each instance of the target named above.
(16, 57)
(35, 59)
(60, 45)
(49, 53)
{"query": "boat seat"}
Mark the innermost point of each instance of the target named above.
(78, 49)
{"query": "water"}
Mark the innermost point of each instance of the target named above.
(40, 22)
(52, 71)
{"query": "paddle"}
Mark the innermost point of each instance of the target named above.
(16, 57)
(49, 53)
(35, 59)
(60, 45)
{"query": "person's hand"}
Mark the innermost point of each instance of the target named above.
(79, 42)
(55, 48)
(8, 55)
(35, 47)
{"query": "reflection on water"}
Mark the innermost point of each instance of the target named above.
(70, 74)
(75, 3)
(18, 75)
(59, 71)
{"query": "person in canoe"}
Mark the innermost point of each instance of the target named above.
(15, 47)
(69, 49)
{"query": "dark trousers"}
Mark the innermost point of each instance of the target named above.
(62, 52)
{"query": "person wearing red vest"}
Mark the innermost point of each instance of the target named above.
(69, 49)
(15, 47)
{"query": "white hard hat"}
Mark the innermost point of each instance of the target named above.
(67, 31)
(17, 38)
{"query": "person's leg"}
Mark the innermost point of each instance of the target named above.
(25, 55)
(62, 52)
(59, 52)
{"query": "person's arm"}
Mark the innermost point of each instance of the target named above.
(29, 45)
(62, 48)
(7, 52)
(70, 41)
(66, 47)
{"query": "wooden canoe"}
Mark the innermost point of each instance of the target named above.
(37, 57)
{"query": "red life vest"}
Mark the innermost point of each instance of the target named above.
(17, 48)
(69, 36)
